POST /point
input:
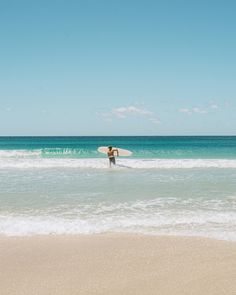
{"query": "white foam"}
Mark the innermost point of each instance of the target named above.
(215, 225)
(212, 218)
(19, 153)
(97, 163)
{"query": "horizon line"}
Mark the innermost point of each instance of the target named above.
(178, 135)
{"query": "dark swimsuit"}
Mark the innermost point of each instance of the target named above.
(112, 160)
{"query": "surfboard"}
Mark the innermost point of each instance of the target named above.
(122, 152)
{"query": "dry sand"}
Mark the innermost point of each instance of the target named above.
(116, 264)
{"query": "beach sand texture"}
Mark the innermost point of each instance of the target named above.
(116, 264)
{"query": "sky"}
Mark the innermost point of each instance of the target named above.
(117, 67)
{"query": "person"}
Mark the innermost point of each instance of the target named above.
(111, 155)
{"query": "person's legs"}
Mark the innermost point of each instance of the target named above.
(112, 161)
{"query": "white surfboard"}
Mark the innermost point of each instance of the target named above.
(122, 152)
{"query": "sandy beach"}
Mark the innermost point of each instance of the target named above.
(116, 264)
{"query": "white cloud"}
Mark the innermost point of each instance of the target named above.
(199, 111)
(214, 106)
(123, 112)
(129, 111)
(185, 110)
(195, 110)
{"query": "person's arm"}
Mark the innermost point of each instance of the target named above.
(117, 152)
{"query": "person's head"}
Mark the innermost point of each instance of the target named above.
(110, 148)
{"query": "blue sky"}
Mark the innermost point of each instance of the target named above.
(117, 67)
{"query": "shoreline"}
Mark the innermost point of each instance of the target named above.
(115, 263)
(114, 234)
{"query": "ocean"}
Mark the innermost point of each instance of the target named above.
(169, 186)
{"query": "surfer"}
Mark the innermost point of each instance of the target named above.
(111, 155)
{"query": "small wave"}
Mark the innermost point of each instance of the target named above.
(4, 154)
(219, 226)
(68, 153)
(49, 153)
(96, 163)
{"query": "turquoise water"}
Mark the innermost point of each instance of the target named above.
(142, 146)
(170, 185)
